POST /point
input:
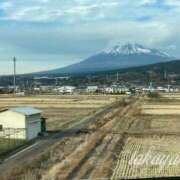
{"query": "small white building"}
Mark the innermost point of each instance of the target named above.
(91, 89)
(66, 89)
(24, 121)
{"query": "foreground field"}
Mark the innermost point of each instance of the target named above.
(62, 112)
(147, 157)
(129, 140)
(89, 148)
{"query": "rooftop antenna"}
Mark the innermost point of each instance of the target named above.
(14, 61)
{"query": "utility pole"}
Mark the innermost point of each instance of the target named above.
(56, 83)
(117, 77)
(166, 77)
(165, 74)
(14, 61)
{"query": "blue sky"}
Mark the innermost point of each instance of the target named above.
(46, 34)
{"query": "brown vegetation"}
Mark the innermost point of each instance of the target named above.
(104, 148)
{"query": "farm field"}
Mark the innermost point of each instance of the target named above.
(163, 115)
(89, 148)
(168, 104)
(130, 141)
(61, 111)
(141, 157)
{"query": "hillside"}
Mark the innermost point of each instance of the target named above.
(159, 73)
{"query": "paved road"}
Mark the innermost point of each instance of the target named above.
(41, 145)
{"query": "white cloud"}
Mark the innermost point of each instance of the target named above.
(5, 5)
(66, 31)
(46, 10)
(147, 2)
(173, 2)
(62, 11)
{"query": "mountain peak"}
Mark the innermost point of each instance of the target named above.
(118, 56)
(133, 48)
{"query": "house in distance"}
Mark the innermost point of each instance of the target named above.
(22, 122)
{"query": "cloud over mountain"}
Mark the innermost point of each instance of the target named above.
(61, 32)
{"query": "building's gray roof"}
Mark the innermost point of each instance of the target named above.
(26, 110)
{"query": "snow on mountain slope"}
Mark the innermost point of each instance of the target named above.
(128, 49)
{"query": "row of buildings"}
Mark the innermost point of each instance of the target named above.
(113, 89)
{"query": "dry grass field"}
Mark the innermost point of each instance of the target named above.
(136, 139)
(152, 148)
(147, 157)
(67, 158)
(163, 115)
(157, 123)
(61, 111)
(168, 104)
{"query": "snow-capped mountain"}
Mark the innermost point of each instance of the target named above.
(117, 57)
(128, 49)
